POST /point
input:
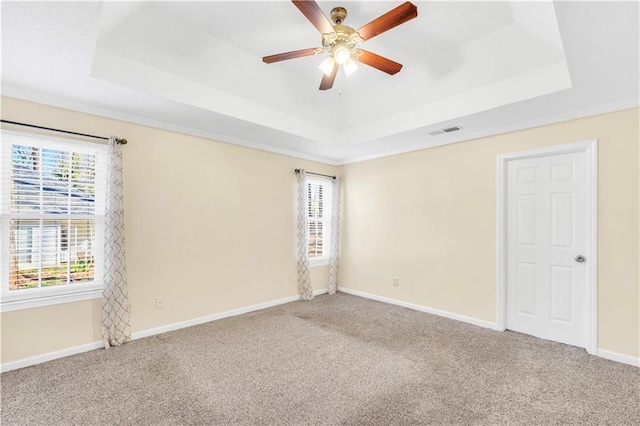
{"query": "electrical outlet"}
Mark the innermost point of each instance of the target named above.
(395, 282)
(159, 302)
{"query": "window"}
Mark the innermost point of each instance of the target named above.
(319, 220)
(51, 219)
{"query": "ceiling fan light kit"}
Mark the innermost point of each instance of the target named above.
(327, 65)
(349, 67)
(340, 41)
(341, 54)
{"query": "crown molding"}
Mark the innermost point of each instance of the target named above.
(620, 105)
(136, 119)
(30, 96)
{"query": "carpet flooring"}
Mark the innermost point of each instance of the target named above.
(337, 360)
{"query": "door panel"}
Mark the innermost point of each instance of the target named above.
(561, 294)
(562, 217)
(526, 287)
(526, 217)
(547, 227)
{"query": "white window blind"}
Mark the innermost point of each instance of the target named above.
(319, 210)
(51, 215)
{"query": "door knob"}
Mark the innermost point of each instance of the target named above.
(580, 258)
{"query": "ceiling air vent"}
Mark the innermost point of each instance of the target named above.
(447, 130)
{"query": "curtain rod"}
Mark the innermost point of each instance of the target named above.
(316, 174)
(119, 141)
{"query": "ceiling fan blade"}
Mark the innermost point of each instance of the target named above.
(289, 55)
(379, 62)
(312, 11)
(327, 80)
(401, 14)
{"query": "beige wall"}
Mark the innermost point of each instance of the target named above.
(210, 227)
(429, 219)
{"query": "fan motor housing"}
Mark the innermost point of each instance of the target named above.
(343, 35)
(338, 15)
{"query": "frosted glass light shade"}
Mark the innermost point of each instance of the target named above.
(349, 67)
(342, 55)
(327, 65)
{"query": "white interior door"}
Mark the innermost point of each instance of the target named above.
(548, 235)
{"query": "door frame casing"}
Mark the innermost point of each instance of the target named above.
(590, 147)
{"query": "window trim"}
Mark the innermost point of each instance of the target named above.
(18, 299)
(326, 229)
(38, 302)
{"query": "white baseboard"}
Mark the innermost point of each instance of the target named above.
(470, 320)
(321, 291)
(214, 317)
(602, 353)
(615, 356)
(38, 359)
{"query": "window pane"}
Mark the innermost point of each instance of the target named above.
(81, 250)
(83, 179)
(316, 200)
(25, 168)
(315, 238)
(23, 254)
(54, 196)
(25, 195)
(25, 163)
(52, 181)
(50, 252)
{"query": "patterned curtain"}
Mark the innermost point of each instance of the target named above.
(304, 280)
(116, 310)
(335, 236)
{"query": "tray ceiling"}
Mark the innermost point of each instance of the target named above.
(196, 67)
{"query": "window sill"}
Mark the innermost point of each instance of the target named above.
(318, 261)
(18, 305)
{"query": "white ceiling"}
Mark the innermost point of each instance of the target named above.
(196, 67)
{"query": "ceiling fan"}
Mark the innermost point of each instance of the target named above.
(340, 41)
